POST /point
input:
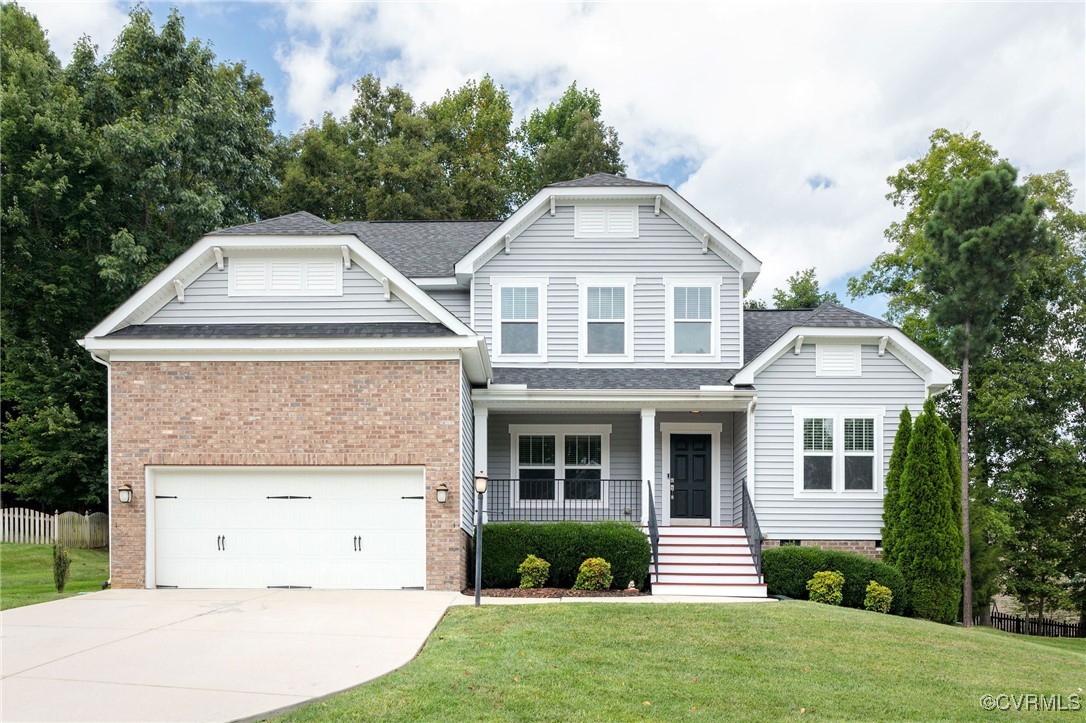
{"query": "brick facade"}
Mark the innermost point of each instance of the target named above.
(861, 547)
(288, 413)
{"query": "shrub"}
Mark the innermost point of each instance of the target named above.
(62, 561)
(825, 587)
(891, 514)
(878, 598)
(533, 571)
(565, 545)
(787, 570)
(595, 574)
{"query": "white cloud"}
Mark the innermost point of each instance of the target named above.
(67, 22)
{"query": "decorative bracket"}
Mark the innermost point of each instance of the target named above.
(656, 209)
(346, 256)
(799, 344)
(508, 238)
(882, 345)
(705, 243)
(180, 289)
(387, 286)
(217, 250)
(552, 206)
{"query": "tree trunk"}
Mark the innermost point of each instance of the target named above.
(967, 563)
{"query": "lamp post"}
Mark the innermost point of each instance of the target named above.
(480, 488)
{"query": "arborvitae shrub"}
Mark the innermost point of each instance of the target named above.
(891, 513)
(62, 561)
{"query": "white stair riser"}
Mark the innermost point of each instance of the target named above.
(673, 568)
(667, 577)
(751, 591)
(692, 549)
(702, 532)
(729, 559)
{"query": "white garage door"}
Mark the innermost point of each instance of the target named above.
(359, 528)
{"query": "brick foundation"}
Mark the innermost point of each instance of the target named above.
(862, 547)
(288, 413)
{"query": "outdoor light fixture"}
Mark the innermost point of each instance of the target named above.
(480, 487)
(442, 493)
(124, 492)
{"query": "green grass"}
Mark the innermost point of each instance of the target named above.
(708, 662)
(26, 574)
(1074, 645)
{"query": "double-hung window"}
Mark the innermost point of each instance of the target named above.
(693, 319)
(555, 464)
(520, 319)
(836, 451)
(606, 316)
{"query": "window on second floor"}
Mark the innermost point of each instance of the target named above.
(520, 328)
(606, 319)
(693, 319)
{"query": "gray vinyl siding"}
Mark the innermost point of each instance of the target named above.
(664, 249)
(739, 443)
(725, 463)
(467, 455)
(458, 302)
(207, 302)
(790, 381)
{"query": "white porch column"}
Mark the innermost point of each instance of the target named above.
(481, 462)
(648, 460)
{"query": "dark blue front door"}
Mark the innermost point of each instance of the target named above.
(691, 477)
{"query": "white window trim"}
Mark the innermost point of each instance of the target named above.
(584, 283)
(267, 259)
(606, 233)
(559, 432)
(670, 284)
(838, 415)
(820, 350)
(506, 282)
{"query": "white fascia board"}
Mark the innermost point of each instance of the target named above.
(679, 208)
(504, 397)
(200, 256)
(113, 344)
(936, 376)
(438, 283)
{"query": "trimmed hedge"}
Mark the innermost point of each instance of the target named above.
(787, 570)
(565, 545)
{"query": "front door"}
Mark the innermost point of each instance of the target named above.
(691, 477)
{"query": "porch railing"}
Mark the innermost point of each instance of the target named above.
(514, 500)
(654, 532)
(750, 524)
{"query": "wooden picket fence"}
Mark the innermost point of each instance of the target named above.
(1032, 626)
(41, 528)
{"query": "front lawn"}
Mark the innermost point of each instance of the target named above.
(26, 574)
(714, 662)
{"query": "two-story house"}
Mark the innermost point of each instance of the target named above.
(300, 403)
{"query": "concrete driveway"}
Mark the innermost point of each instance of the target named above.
(203, 655)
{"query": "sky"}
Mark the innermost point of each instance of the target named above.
(780, 121)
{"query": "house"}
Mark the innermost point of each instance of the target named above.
(300, 403)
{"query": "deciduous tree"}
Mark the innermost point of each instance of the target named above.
(803, 292)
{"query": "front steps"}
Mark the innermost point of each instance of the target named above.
(706, 561)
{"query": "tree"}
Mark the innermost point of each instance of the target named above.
(891, 513)
(112, 168)
(983, 234)
(564, 141)
(928, 543)
(803, 292)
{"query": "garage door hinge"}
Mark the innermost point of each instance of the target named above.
(166, 587)
(165, 497)
(412, 497)
(290, 587)
(412, 587)
(288, 497)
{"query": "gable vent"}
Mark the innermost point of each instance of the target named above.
(605, 222)
(837, 360)
(285, 277)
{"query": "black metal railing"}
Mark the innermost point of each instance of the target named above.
(1032, 626)
(750, 523)
(654, 532)
(580, 500)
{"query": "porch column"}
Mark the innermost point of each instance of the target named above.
(648, 460)
(481, 462)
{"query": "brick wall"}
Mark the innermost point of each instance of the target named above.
(862, 547)
(288, 413)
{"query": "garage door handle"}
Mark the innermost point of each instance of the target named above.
(224, 543)
(218, 542)
(357, 543)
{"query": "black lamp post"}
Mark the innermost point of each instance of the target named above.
(480, 488)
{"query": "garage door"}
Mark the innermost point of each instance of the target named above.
(358, 528)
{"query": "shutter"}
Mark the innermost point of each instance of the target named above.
(837, 360)
(249, 275)
(322, 277)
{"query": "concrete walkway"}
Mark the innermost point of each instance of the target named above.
(203, 655)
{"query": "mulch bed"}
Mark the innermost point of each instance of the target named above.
(546, 592)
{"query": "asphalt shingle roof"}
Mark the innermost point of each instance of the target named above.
(283, 331)
(762, 327)
(420, 248)
(603, 179)
(301, 222)
(629, 378)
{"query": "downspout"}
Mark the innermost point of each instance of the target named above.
(751, 406)
(109, 456)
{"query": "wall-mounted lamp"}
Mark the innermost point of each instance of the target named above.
(442, 491)
(124, 493)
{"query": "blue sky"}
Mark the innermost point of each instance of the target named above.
(781, 121)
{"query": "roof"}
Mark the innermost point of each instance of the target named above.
(420, 248)
(762, 327)
(301, 222)
(283, 331)
(597, 378)
(607, 180)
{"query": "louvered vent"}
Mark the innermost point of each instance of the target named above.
(837, 360)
